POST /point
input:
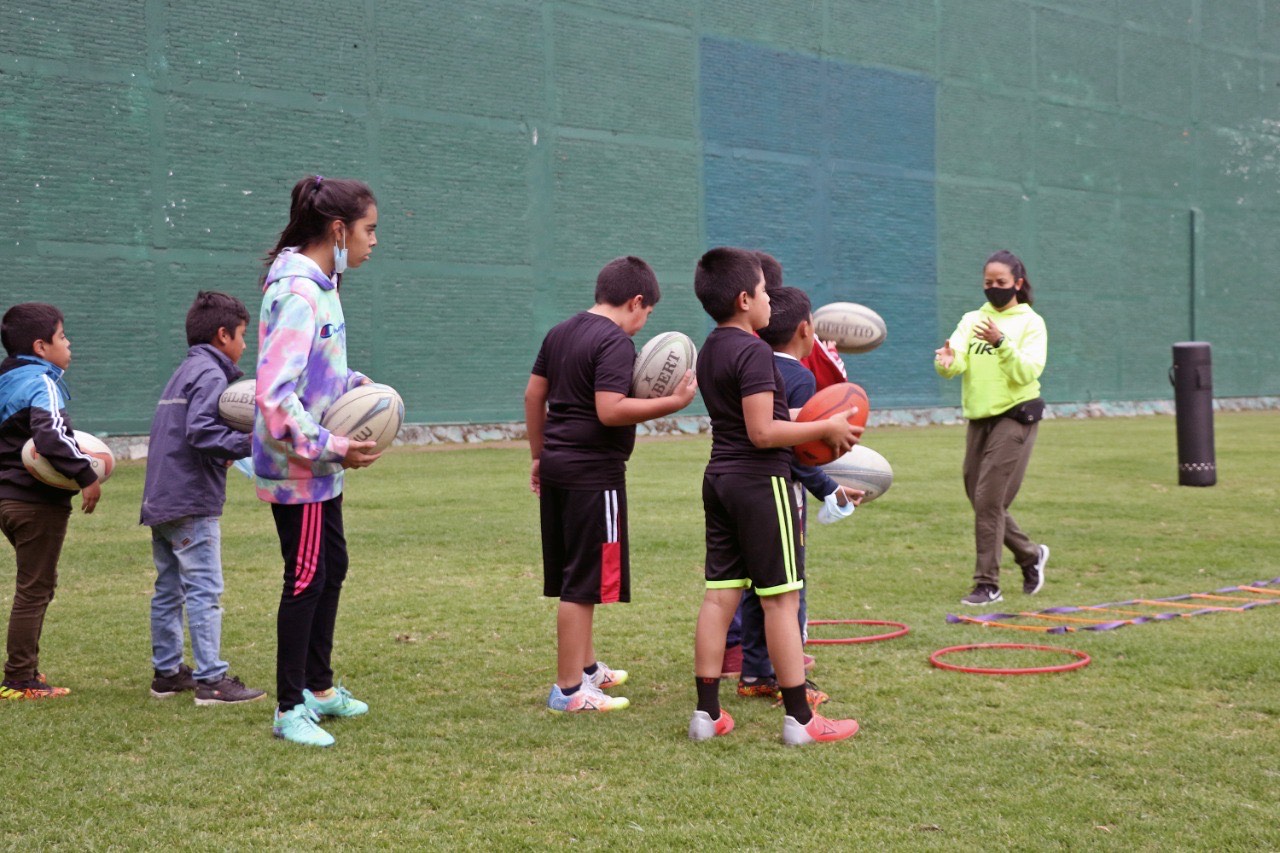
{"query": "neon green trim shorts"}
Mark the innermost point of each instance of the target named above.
(752, 526)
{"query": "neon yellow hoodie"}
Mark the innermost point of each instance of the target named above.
(997, 379)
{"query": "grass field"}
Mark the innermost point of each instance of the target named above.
(1169, 740)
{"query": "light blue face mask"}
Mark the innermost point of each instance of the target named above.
(340, 257)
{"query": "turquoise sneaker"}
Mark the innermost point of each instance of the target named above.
(299, 726)
(340, 704)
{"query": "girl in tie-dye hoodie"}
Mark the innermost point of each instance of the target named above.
(302, 370)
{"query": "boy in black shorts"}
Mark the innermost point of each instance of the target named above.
(746, 493)
(581, 425)
(790, 335)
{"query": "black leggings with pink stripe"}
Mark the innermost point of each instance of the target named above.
(315, 565)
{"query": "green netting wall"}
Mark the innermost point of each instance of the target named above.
(1129, 150)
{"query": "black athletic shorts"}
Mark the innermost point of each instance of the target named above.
(752, 530)
(584, 545)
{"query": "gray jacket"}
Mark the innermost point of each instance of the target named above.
(190, 445)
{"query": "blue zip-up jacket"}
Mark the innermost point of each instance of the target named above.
(190, 445)
(33, 405)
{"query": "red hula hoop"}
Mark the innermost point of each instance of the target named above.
(841, 641)
(1082, 659)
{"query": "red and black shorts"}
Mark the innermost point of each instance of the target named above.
(584, 545)
(752, 532)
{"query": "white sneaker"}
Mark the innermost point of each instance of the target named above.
(605, 678)
(702, 727)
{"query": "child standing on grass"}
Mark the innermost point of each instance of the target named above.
(302, 370)
(186, 486)
(746, 494)
(1001, 350)
(790, 336)
(582, 428)
(34, 516)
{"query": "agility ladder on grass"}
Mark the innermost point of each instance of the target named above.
(1182, 607)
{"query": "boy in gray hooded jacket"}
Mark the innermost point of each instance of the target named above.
(182, 500)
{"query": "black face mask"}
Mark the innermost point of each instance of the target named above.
(1000, 296)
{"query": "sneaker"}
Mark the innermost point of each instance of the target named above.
(1033, 578)
(164, 686)
(300, 726)
(808, 663)
(983, 593)
(340, 704)
(605, 678)
(817, 730)
(764, 688)
(702, 727)
(588, 697)
(227, 690)
(768, 688)
(731, 665)
(35, 688)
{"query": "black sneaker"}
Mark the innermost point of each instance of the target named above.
(983, 593)
(164, 686)
(227, 690)
(1033, 577)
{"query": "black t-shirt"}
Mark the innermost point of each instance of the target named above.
(734, 364)
(584, 354)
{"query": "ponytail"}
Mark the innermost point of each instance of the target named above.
(1019, 270)
(317, 201)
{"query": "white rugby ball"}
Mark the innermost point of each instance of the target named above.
(236, 406)
(862, 468)
(370, 412)
(661, 365)
(854, 328)
(100, 459)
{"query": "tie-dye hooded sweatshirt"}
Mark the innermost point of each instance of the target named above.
(302, 369)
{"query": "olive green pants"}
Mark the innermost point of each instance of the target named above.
(997, 451)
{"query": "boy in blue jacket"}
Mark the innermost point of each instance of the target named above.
(33, 516)
(186, 486)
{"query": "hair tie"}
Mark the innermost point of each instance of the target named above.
(319, 178)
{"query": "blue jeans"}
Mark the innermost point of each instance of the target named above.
(188, 558)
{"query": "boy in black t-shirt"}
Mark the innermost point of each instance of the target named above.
(581, 425)
(746, 494)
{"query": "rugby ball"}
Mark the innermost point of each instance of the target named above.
(835, 398)
(370, 412)
(862, 468)
(661, 365)
(854, 328)
(236, 406)
(100, 458)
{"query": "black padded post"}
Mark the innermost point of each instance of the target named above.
(1192, 378)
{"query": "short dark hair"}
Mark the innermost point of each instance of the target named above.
(26, 323)
(788, 307)
(623, 279)
(213, 311)
(721, 275)
(772, 271)
(1019, 270)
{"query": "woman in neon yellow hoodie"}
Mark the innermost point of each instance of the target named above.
(1001, 350)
